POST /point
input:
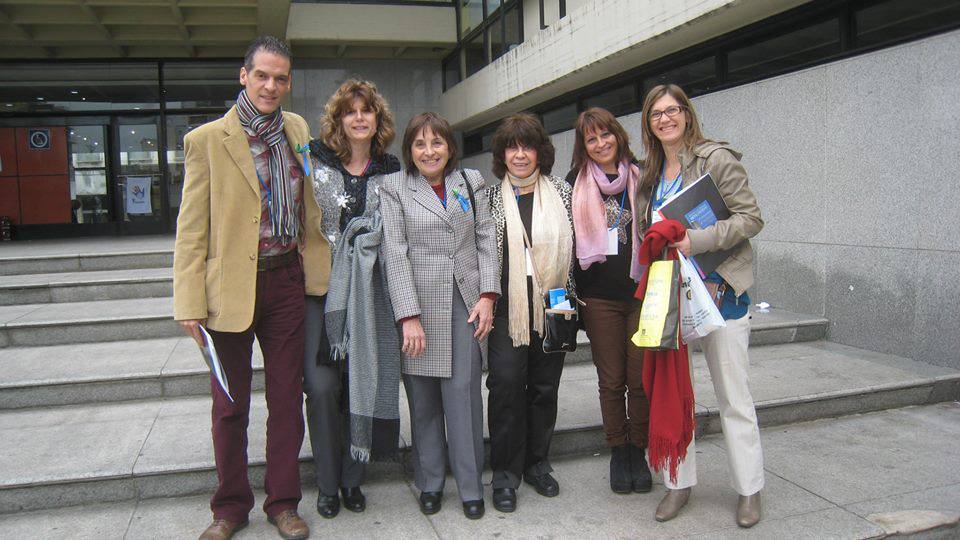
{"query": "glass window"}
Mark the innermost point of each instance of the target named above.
(495, 38)
(512, 25)
(191, 85)
(471, 15)
(492, 6)
(139, 179)
(79, 87)
(560, 119)
(618, 101)
(88, 174)
(695, 77)
(451, 70)
(486, 142)
(179, 125)
(475, 58)
(895, 19)
(784, 51)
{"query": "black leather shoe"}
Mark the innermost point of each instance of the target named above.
(353, 499)
(430, 502)
(473, 509)
(328, 506)
(621, 481)
(505, 499)
(545, 484)
(639, 471)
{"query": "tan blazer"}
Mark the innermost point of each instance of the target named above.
(218, 230)
(723, 164)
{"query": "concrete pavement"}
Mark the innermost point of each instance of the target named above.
(860, 476)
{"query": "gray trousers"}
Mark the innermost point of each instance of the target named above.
(327, 418)
(456, 404)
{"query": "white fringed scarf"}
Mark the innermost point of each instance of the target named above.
(552, 242)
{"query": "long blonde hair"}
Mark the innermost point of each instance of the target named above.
(692, 135)
(331, 127)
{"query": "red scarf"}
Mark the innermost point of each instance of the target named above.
(666, 374)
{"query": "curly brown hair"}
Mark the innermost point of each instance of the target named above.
(598, 119)
(522, 129)
(331, 125)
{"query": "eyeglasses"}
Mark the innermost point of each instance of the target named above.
(669, 111)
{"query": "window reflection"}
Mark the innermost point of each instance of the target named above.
(89, 194)
(80, 87)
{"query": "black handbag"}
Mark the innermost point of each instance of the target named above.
(560, 326)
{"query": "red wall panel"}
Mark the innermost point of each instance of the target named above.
(42, 162)
(10, 199)
(45, 199)
(8, 152)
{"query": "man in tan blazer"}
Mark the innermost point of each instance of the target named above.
(248, 248)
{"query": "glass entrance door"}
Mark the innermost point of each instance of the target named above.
(139, 184)
(179, 125)
(89, 190)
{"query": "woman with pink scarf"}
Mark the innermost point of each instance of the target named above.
(604, 179)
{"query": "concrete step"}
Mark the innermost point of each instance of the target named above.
(85, 254)
(88, 286)
(821, 481)
(30, 325)
(144, 368)
(80, 454)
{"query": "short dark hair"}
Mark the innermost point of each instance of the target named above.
(267, 44)
(440, 127)
(524, 129)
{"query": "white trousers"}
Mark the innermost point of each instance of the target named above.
(726, 352)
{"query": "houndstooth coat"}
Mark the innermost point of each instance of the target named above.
(426, 247)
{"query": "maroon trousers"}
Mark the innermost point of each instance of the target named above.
(278, 325)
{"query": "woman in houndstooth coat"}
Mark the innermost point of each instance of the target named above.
(440, 253)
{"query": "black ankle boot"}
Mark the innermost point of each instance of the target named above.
(639, 471)
(620, 479)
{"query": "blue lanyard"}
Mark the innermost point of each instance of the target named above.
(664, 191)
(623, 200)
(443, 198)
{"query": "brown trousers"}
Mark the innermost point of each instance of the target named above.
(623, 404)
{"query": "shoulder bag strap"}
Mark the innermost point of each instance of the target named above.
(533, 266)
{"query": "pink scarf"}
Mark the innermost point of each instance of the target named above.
(590, 215)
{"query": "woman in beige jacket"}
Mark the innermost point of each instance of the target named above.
(677, 155)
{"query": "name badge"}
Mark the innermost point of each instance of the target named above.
(526, 253)
(655, 217)
(613, 241)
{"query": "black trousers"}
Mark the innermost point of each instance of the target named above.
(522, 405)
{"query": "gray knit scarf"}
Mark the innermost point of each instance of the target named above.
(358, 289)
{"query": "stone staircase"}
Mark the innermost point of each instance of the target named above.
(102, 399)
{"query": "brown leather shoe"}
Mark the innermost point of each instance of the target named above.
(290, 525)
(222, 529)
(748, 510)
(672, 503)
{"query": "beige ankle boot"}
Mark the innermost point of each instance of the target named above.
(672, 502)
(748, 510)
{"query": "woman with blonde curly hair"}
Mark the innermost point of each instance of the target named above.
(348, 164)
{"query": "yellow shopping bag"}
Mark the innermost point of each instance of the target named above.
(659, 326)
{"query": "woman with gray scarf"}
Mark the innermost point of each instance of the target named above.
(348, 164)
(523, 380)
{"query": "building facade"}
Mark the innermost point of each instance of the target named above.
(845, 110)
